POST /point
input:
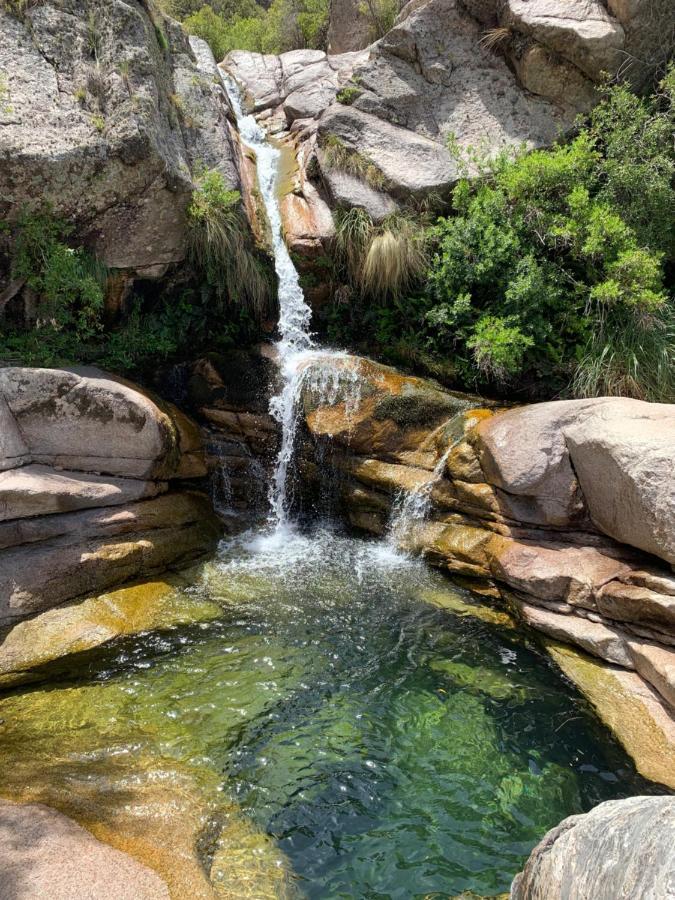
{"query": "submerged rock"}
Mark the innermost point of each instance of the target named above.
(622, 848)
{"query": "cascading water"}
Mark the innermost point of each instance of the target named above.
(302, 365)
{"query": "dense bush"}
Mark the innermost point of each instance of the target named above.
(215, 303)
(243, 25)
(551, 274)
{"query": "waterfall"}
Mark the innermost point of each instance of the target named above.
(302, 364)
(412, 507)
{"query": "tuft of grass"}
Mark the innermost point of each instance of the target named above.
(98, 122)
(219, 245)
(494, 38)
(341, 158)
(18, 8)
(396, 258)
(629, 357)
(383, 260)
(348, 94)
(161, 39)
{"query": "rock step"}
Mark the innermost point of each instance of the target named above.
(40, 490)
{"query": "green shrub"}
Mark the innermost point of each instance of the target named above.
(550, 275)
(68, 282)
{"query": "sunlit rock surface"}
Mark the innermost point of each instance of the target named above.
(87, 495)
(622, 848)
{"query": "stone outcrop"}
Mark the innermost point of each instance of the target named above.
(370, 123)
(91, 487)
(567, 507)
(45, 854)
(107, 109)
(622, 848)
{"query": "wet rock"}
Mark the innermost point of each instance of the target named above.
(622, 848)
(45, 854)
(629, 707)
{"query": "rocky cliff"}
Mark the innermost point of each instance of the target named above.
(94, 487)
(107, 111)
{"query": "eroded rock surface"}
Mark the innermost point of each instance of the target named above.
(622, 848)
(87, 487)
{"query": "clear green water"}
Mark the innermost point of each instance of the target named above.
(394, 749)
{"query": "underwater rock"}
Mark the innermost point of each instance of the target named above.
(622, 848)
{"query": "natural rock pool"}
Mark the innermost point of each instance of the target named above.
(336, 721)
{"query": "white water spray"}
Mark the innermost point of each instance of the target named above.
(412, 507)
(302, 365)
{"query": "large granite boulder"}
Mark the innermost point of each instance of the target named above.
(89, 487)
(108, 110)
(45, 854)
(622, 848)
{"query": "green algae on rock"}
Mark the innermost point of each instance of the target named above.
(628, 707)
(33, 648)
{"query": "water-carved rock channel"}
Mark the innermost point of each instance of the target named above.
(310, 713)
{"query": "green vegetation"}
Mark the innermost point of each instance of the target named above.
(243, 25)
(348, 94)
(216, 303)
(551, 274)
(219, 246)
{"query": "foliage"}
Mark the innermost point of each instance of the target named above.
(348, 94)
(67, 281)
(243, 25)
(381, 14)
(551, 274)
(219, 245)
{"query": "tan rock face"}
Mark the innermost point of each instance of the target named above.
(657, 666)
(45, 854)
(623, 456)
(66, 530)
